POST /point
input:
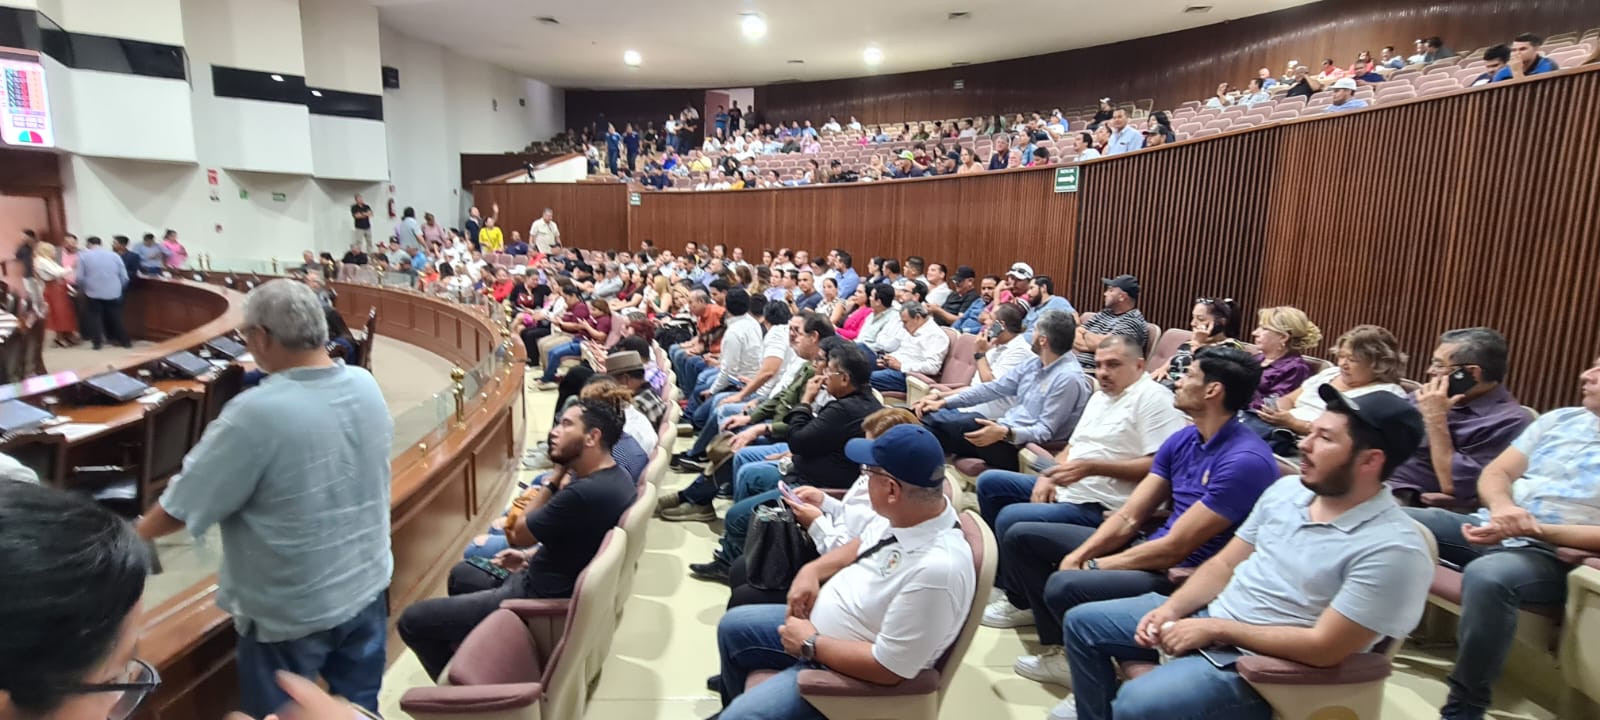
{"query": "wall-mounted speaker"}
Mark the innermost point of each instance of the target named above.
(391, 78)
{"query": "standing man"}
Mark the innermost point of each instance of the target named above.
(544, 233)
(130, 259)
(152, 257)
(102, 276)
(1124, 137)
(303, 503)
(474, 225)
(361, 214)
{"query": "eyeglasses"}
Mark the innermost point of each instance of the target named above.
(139, 680)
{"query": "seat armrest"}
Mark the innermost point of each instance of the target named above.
(1178, 576)
(1447, 501)
(1574, 556)
(1358, 668)
(463, 699)
(827, 683)
(543, 608)
(917, 386)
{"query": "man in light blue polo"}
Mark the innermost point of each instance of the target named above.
(296, 475)
(1124, 137)
(1326, 565)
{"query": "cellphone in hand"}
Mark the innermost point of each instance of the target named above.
(1459, 383)
(788, 493)
(488, 566)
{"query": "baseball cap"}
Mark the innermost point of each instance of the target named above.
(1344, 84)
(1393, 417)
(964, 272)
(1126, 283)
(908, 453)
(907, 155)
(1021, 271)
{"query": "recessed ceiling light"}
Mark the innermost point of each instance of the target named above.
(1197, 9)
(631, 58)
(546, 19)
(276, 77)
(753, 26)
(872, 56)
(797, 62)
(959, 15)
(316, 93)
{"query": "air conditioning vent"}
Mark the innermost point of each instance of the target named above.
(959, 15)
(797, 62)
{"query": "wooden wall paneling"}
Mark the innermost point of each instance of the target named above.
(590, 215)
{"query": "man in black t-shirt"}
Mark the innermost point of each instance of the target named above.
(356, 256)
(560, 532)
(361, 213)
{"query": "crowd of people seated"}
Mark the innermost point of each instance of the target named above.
(1163, 500)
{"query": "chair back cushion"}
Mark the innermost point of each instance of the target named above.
(635, 521)
(959, 367)
(984, 555)
(591, 624)
(1167, 347)
(498, 651)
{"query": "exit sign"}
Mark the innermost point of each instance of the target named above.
(633, 199)
(1067, 179)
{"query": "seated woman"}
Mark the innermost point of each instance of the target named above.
(1367, 360)
(342, 343)
(1284, 335)
(855, 311)
(593, 323)
(1212, 323)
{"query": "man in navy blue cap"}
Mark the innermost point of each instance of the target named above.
(895, 598)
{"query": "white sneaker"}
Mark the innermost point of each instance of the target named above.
(1003, 614)
(1049, 666)
(995, 595)
(1067, 709)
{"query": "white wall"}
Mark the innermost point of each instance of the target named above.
(259, 35)
(547, 109)
(340, 42)
(158, 21)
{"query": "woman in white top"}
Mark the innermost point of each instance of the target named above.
(1367, 360)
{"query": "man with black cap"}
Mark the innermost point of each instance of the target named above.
(895, 598)
(1120, 317)
(963, 293)
(1327, 565)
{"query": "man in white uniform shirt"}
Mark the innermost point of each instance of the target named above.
(921, 348)
(544, 233)
(894, 599)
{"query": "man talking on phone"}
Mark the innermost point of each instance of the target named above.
(1326, 565)
(1469, 415)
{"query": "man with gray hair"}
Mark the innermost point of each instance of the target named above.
(918, 345)
(1050, 390)
(296, 474)
(544, 233)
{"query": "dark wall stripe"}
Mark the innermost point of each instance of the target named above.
(257, 85)
(81, 51)
(345, 104)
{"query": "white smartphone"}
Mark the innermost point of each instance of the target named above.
(788, 494)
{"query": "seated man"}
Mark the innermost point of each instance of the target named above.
(777, 361)
(1541, 492)
(1469, 414)
(1050, 396)
(563, 528)
(1211, 473)
(920, 347)
(689, 358)
(1326, 566)
(884, 323)
(1119, 317)
(740, 354)
(758, 432)
(893, 601)
(971, 321)
(816, 447)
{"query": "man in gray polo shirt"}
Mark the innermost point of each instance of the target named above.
(296, 474)
(1326, 566)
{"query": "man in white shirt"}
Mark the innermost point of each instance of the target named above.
(998, 350)
(855, 125)
(831, 126)
(893, 602)
(1111, 450)
(883, 324)
(741, 351)
(1083, 147)
(938, 289)
(544, 233)
(1124, 137)
(775, 360)
(921, 348)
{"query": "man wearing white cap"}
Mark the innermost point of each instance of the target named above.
(1344, 96)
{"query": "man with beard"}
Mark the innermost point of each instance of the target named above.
(1119, 317)
(1042, 298)
(971, 321)
(1326, 565)
(562, 529)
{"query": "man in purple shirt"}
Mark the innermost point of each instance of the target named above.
(1469, 414)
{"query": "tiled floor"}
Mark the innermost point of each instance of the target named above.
(666, 646)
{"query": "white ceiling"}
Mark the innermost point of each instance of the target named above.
(697, 43)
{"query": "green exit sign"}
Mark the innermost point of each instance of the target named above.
(633, 199)
(1067, 179)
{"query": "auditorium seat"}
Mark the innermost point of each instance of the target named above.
(956, 373)
(1580, 662)
(842, 698)
(1166, 348)
(531, 659)
(635, 523)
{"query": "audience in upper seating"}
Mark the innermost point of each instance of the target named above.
(1543, 492)
(1469, 415)
(1049, 391)
(879, 609)
(1326, 566)
(1124, 137)
(1120, 316)
(1526, 59)
(1344, 90)
(562, 526)
(1494, 59)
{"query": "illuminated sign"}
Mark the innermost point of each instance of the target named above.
(24, 106)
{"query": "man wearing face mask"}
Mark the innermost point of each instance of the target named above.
(1050, 390)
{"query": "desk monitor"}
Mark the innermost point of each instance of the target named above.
(188, 363)
(16, 415)
(227, 347)
(120, 387)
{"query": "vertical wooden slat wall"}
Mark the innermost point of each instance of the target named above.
(1476, 208)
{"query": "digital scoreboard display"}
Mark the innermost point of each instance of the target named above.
(24, 106)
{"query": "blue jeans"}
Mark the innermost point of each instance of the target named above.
(889, 379)
(747, 641)
(755, 478)
(1495, 583)
(699, 410)
(688, 368)
(1004, 500)
(552, 362)
(713, 426)
(491, 546)
(704, 489)
(350, 657)
(736, 525)
(1186, 688)
(872, 357)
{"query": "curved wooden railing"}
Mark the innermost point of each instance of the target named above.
(443, 491)
(1476, 207)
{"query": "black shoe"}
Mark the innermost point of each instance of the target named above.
(725, 490)
(97, 346)
(714, 571)
(685, 463)
(714, 684)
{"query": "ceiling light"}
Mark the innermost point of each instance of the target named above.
(631, 58)
(1197, 9)
(548, 20)
(753, 26)
(797, 62)
(277, 78)
(316, 93)
(872, 56)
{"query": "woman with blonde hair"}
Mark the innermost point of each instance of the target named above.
(60, 318)
(1284, 335)
(1367, 360)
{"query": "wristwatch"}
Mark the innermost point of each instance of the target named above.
(977, 356)
(808, 649)
(1092, 565)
